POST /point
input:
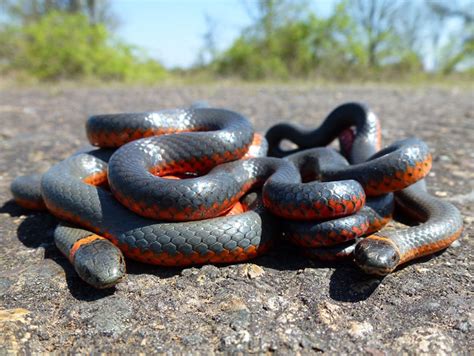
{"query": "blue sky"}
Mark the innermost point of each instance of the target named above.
(172, 31)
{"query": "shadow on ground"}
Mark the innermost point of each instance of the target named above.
(37, 230)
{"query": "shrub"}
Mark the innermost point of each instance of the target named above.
(67, 46)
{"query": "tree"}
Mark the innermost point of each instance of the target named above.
(375, 21)
(274, 46)
(458, 50)
(27, 11)
(209, 51)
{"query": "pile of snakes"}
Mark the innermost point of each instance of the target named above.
(198, 185)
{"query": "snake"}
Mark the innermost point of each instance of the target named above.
(366, 140)
(440, 224)
(77, 191)
(118, 200)
(399, 168)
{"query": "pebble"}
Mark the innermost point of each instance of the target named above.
(210, 271)
(331, 315)
(272, 303)
(239, 338)
(358, 330)
(464, 326)
(444, 158)
(254, 271)
(424, 341)
(234, 304)
(13, 315)
(456, 244)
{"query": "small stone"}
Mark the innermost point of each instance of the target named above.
(444, 158)
(330, 314)
(440, 193)
(469, 220)
(357, 329)
(26, 337)
(235, 339)
(234, 304)
(42, 335)
(192, 340)
(18, 314)
(210, 271)
(253, 271)
(456, 244)
(159, 327)
(424, 340)
(272, 304)
(311, 343)
(239, 320)
(464, 326)
(189, 272)
(201, 279)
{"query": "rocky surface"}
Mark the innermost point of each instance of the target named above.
(280, 302)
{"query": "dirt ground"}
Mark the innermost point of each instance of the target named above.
(280, 302)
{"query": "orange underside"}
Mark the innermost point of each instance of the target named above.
(425, 250)
(430, 248)
(172, 170)
(186, 214)
(113, 139)
(332, 237)
(97, 179)
(319, 210)
(30, 205)
(378, 224)
(401, 180)
(254, 146)
(165, 259)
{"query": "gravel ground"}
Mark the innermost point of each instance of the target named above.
(280, 302)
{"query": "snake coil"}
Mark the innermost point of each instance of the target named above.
(119, 199)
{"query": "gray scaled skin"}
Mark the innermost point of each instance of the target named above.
(441, 224)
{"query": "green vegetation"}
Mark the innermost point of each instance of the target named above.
(361, 40)
(60, 45)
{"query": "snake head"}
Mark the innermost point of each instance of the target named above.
(376, 255)
(100, 264)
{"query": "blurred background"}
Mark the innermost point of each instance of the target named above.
(139, 41)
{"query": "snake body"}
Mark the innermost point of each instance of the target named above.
(76, 190)
(364, 143)
(398, 168)
(440, 225)
(120, 197)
